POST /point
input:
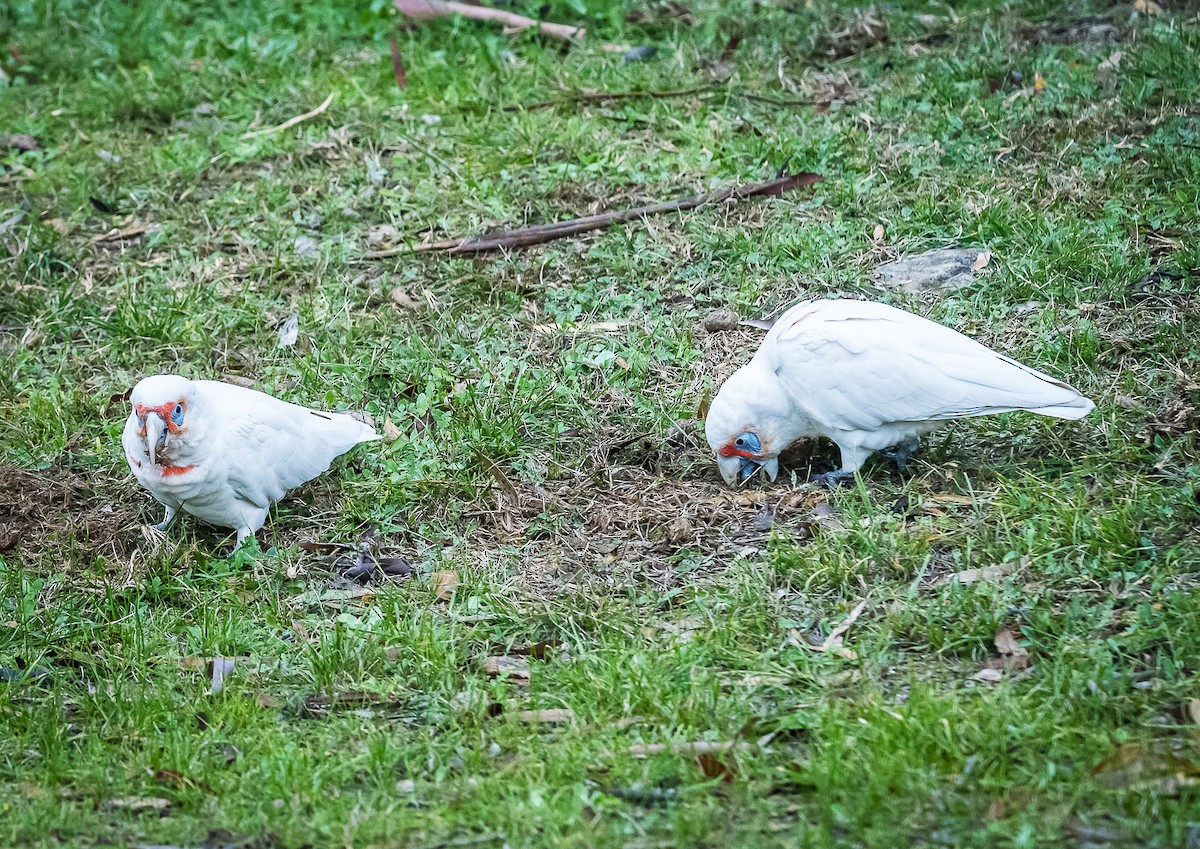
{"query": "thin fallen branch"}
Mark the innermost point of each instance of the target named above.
(397, 63)
(291, 122)
(424, 9)
(541, 233)
(588, 97)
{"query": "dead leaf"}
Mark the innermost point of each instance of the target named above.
(305, 246)
(822, 517)
(593, 327)
(445, 582)
(721, 320)
(714, 767)
(981, 261)
(1194, 710)
(20, 141)
(1152, 766)
(1107, 71)
(538, 650)
(988, 676)
(880, 232)
(390, 432)
(398, 72)
(126, 234)
(239, 380)
(139, 805)
(697, 748)
(972, 576)
(402, 299)
(172, 778)
(58, 225)
(290, 331)
(515, 669)
(703, 406)
(1039, 83)
(267, 701)
(1012, 654)
(548, 715)
(1147, 7)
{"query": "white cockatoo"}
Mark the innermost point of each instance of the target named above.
(224, 453)
(866, 376)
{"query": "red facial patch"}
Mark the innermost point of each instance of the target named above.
(729, 450)
(164, 410)
(169, 471)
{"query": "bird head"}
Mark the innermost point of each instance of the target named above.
(162, 405)
(748, 424)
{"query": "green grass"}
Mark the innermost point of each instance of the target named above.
(671, 630)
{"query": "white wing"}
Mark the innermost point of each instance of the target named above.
(857, 365)
(272, 446)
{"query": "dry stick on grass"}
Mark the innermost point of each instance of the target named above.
(291, 122)
(422, 9)
(540, 233)
(582, 97)
(397, 63)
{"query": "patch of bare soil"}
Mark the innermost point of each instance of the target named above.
(56, 512)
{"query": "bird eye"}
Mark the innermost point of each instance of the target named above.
(177, 414)
(740, 442)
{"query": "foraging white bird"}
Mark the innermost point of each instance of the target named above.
(866, 376)
(224, 453)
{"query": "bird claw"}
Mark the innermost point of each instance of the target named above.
(901, 453)
(832, 480)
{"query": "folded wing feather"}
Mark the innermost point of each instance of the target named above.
(859, 365)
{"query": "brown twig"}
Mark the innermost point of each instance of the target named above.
(581, 97)
(422, 9)
(397, 63)
(540, 233)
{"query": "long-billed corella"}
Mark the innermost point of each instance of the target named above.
(868, 377)
(224, 453)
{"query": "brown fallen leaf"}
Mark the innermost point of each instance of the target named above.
(1193, 709)
(879, 233)
(548, 715)
(239, 380)
(1039, 82)
(398, 72)
(1152, 766)
(697, 748)
(445, 582)
(823, 517)
(515, 669)
(972, 576)
(1147, 7)
(139, 805)
(131, 232)
(402, 299)
(714, 767)
(981, 261)
(1012, 654)
(390, 432)
(20, 141)
(988, 676)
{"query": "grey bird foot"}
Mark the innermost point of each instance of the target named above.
(832, 480)
(168, 520)
(901, 453)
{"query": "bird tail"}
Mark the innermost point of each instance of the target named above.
(1076, 408)
(345, 430)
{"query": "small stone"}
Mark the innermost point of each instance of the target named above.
(721, 320)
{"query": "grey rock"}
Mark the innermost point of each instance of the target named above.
(944, 268)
